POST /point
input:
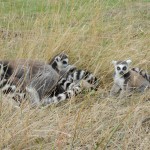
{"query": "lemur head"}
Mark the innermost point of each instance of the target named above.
(62, 61)
(59, 62)
(121, 67)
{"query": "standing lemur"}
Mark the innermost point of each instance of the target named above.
(126, 79)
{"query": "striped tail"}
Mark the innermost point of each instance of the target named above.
(143, 73)
(7, 87)
(89, 80)
(66, 84)
(61, 97)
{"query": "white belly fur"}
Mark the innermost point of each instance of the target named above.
(119, 81)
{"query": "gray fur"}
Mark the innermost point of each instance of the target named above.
(37, 77)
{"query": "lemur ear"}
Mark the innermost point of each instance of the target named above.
(128, 61)
(114, 62)
(57, 58)
(62, 54)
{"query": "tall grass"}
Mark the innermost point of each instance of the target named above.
(93, 33)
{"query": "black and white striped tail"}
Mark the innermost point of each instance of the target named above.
(6, 87)
(61, 97)
(143, 73)
(84, 75)
(66, 84)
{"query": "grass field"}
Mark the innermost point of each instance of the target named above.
(92, 33)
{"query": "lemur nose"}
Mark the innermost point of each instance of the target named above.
(121, 72)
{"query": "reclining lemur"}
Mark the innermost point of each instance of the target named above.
(39, 79)
(74, 75)
(126, 79)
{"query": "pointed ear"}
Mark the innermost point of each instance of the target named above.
(128, 61)
(114, 62)
(63, 54)
(57, 58)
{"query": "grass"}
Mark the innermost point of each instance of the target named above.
(93, 33)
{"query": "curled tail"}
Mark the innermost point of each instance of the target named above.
(89, 80)
(61, 97)
(66, 84)
(143, 73)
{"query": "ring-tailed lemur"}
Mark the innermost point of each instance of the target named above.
(60, 64)
(70, 81)
(37, 78)
(72, 76)
(126, 80)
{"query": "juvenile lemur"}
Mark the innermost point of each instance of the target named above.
(125, 79)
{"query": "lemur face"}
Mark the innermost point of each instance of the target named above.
(62, 61)
(121, 67)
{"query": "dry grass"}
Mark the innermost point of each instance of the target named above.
(93, 33)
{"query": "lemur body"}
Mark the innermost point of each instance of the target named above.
(126, 80)
(33, 76)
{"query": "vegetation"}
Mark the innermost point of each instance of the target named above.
(93, 33)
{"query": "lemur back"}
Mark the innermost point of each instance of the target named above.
(32, 74)
(37, 78)
(143, 73)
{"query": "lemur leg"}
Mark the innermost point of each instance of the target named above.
(114, 90)
(125, 92)
(143, 88)
(122, 94)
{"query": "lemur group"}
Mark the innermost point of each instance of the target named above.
(54, 81)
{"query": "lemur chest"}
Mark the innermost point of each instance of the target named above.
(119, 81)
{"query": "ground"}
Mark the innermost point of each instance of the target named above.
(92, 33)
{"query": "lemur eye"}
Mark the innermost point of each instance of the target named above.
(118, 68)
(124, 68)
(64, 62)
